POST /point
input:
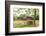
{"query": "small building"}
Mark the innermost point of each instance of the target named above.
(27, 18)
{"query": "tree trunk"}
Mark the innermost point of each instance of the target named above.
(34, 16)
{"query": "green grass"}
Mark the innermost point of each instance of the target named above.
(20, 26)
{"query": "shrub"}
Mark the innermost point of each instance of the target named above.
(29, 22)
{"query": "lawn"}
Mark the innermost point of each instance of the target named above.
(23, 23)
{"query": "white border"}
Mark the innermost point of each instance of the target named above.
(25, 29)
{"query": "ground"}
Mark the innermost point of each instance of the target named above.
(24, 23)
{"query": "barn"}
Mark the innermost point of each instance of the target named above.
(27, 18)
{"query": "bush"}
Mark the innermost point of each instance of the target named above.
(29, 22)
(14, 18)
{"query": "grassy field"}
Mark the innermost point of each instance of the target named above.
(24, 23)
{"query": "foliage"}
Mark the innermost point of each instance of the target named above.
(14, 18)
(28, 11)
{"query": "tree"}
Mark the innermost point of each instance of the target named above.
(28, 11)
(34, 16)
(22, 16)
